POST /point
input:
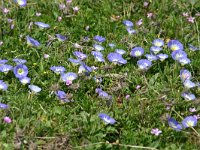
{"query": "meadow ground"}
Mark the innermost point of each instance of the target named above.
(151, 105)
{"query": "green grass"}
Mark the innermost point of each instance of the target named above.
(42, 121)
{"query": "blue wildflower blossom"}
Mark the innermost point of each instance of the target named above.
(99, 39)
(189, 84)
(98, 47)
(128, 23)
(176, 55)
(120, 51)
(111, 45)
(20, 71)
(98, 56)
(3, 86)
(137, 52)
(80, 55)
(151, 57)
(189, 121)
(188, 96)
(193, 48)
(184, 61)
(3, 61)
(102, 94)
(68, 77)
(185, 75)
(32, 42)
(175, 45)
(158, 42)
(62, 96)
(42, 25)
(3, 106)
(162, 57)
(144, 64)
(19, 61)
(75, 61)
(116, 58)
(174, 124)
(96, 53)
(58, 69)
(130, 30)
(155, 49)
(5, 68)
(21, 3)
(34, 88)
(107, 119)
(25, 80)
(61, 37)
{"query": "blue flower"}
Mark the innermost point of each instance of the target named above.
(34, 88)
(58, 69)
(98, 47)
(189, 84)
(107, 119)
(25, 80)
(128, 23)
(96, 53)
(193, 48)
(32, 42)
(75, 61)
(174, 124)
(185, 75)
(21, 3)
(62, 96)
(188, 96)
(80, 55)
(68, 77)
(102, 94)
(162, 57)
(3, 106)
(19, 61)
(111, 45)
(144, 64)
(98, 56)
(3, 86)
(137, 52)
(155, 49)
(158, 42)
(61, 37)
(42, 25)
(189, 121)
(130, 30)
(175, 45)
(116, 58)
(5, 68)
(120, 51)
(20, 71)
(3, 61)
(176, 55)
(99, 39)
(151, 57)
(184, 61)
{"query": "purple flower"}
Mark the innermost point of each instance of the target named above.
(184, 61)
(158, 42)
(188, 96)
(151, 57)
(144, 64)
(130, 30)
(98, 47)
(3, 106)
(98, 56)
(21, 3)
(5, 68)
(32, 42)
(162, 57)
(3, 61)
(107, 119)
(80, 55)
(189, 84)
(20, 71)
(3, 86)
(156, 131)
(192, 109)
(137, 52)
(111, 45)
(7, 119)
(128, 23)
(102, 94)
(193, 48)
(189, 121)
(116, 58)
(25, 80)
(70, 76)
(42, 25)
(175, 45)
(61, 37)
(99, 39)
(185, 75)
(19, 61)
(176, 55)
(75, 61)
(58, 69)
(62, 96)
(174, 124)
(120, 51)
(34, 88)
(155, 49)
